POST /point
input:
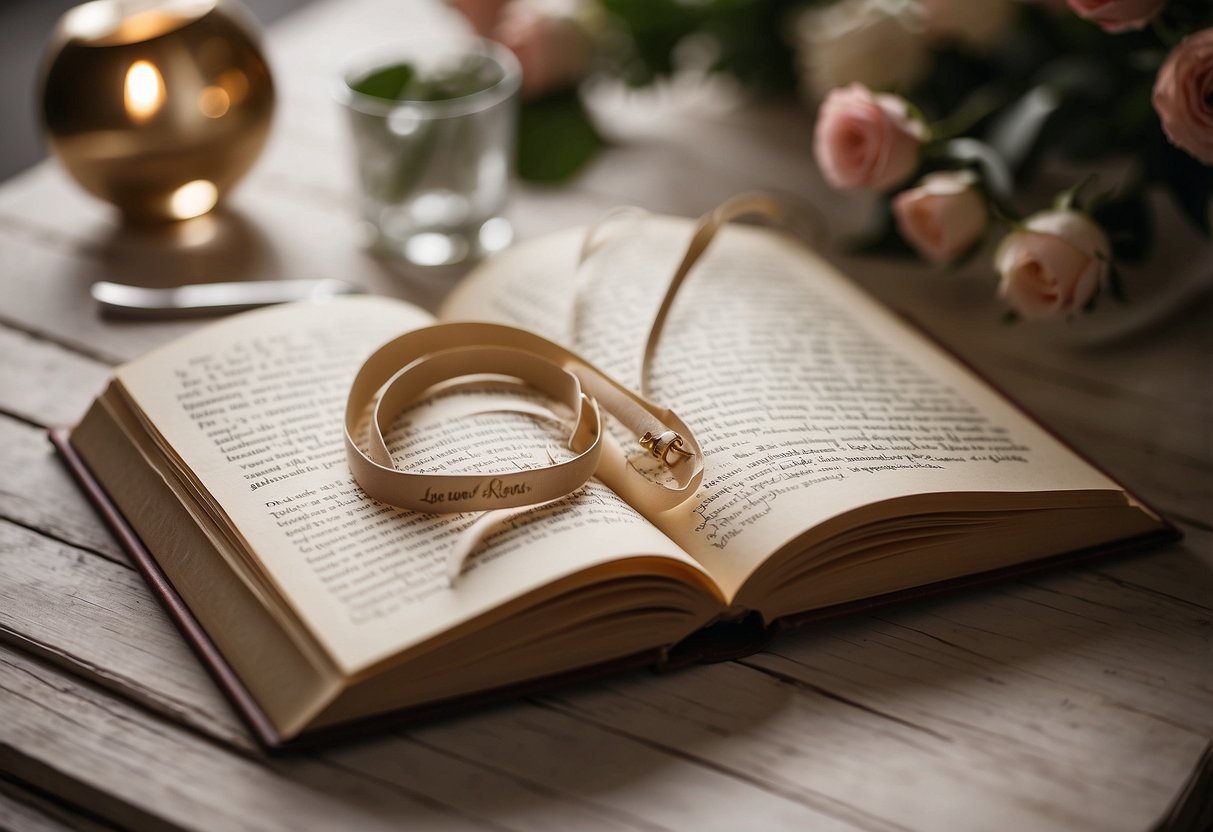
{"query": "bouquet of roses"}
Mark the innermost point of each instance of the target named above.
(1140, 89)
(946, 108)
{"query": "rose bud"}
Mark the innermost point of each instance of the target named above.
(554, 49)
(1183, 95)
(1053, 265)
(866, 141)
(943, 216)
(1117, 15)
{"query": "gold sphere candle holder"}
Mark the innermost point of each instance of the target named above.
(157, 107)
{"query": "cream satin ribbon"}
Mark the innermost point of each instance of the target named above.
(406, 369)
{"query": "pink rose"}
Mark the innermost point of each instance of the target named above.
(943, 216)
(1053, 265)
(1117, 15)
(482, 14)
(553, 50)
(1183, 95)
(864, 140)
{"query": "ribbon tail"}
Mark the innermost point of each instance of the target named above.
(474, 535)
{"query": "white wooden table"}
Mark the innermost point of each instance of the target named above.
(1080, 699)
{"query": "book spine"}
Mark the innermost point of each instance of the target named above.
(723, 640)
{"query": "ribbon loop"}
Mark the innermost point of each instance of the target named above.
(405, 370)
(431, 356)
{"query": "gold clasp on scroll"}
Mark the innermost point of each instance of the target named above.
(662, 446)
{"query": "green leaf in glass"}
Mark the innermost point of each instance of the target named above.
(387, 82)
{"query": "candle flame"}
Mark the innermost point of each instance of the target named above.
(144, 91)
(193, 199)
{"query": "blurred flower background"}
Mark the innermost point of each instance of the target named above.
(948, 109)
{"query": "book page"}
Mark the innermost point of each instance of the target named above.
(254, 409)
(809, 398)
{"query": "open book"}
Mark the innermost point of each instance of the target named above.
(846, 458)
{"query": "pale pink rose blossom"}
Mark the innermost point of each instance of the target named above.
(943, 216)
(554, 50)
(482, 14)
(1183, 95)
(1053, 265)
(1118, 15)
(866, 141)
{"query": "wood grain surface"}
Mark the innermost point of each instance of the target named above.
(1074, 700)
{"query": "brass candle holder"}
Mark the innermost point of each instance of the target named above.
(157, 107)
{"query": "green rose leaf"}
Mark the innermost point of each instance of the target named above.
(1129, 225)
(556, 138)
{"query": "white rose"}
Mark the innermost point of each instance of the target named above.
(872, 42)
(979, 23)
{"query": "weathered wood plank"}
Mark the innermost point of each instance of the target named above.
(934, 676)
(21, 816)
(46, 295)
(43, 383)
(559, 753)
(37, 491)
(24, 811)
(1115, 394)
(1186, 578)
(93, 750)
(107, 628)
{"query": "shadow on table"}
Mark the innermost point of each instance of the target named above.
(572, 757)
(924, 702)
(221, 246)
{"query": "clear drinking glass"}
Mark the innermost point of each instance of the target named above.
(433, 125)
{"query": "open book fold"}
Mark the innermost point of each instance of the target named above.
(847, 459)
